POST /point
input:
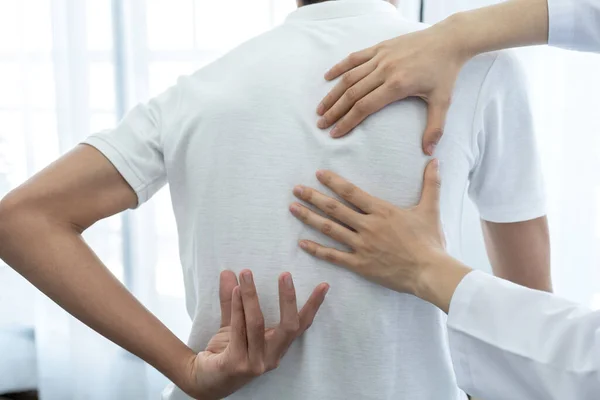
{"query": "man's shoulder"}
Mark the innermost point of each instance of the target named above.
(497, 67)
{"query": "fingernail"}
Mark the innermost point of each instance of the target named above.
(319, 174)
(321, 109)
(321, 123)
(431, 148)
(326, 290)
(288, 281)
(334, 132)
(304, 245)
(436, 163)
(247, 277)
(294, 209)
(298, 190)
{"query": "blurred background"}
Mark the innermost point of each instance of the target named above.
(69, 68)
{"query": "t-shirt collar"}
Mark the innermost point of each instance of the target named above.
(340, 9)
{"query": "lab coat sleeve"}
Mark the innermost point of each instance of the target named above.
(509, 342)
(574, 24)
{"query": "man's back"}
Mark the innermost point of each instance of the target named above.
(234, 138)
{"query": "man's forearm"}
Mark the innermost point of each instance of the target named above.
(512, 23)
(54, 257)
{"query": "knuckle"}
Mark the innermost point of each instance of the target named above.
(331, 206)
(437, 133)
(387, 67)
(307, 194)
(291, 327)
(361, 106)
(327, 228)
(326, 178)
(353, 58)
(396, 83)
(303, 214)
(348, 79)
(329, 255)
(258, 369)
(242, 368)
(257, 323)
(308, 325)
(348, 192)
(351, 95)
(359, 265)
(273, 365)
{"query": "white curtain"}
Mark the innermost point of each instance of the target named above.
(69, 68)
(61, 78)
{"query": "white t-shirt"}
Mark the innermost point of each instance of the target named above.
(234, 138)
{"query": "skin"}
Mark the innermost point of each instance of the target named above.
(401, 249)
(58, 204)
(54, 207)
(520, 252)
(426, 64)
(404, 249)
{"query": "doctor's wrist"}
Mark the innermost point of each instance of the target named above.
(438, 279)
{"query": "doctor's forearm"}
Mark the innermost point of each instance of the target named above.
(514, 23)
(54, 257)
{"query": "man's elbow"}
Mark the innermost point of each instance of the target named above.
(21, 215)
(12, 208)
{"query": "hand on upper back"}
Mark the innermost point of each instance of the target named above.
(243, 349)
(424, 64)
(390, 246)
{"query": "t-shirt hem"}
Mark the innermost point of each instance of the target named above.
(121, 164)
(508, 214)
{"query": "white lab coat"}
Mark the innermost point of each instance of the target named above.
(512, 343)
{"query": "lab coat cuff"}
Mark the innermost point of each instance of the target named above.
(561, 19)
(459, 318)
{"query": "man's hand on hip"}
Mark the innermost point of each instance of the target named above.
(243, 349)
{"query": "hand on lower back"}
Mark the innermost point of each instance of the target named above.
(424, 64)
(243, 349)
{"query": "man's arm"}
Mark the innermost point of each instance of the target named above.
(520, 252)
(40, 237)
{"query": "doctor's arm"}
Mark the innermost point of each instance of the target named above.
(426, 63)
(41, 226)
(506, 341)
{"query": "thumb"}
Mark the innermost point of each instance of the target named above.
(436, 119)
(430, 197)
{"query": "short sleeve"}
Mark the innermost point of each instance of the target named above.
(135, 146)
(506, 182)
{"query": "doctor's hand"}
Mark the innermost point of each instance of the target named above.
(423, 64)
(244, 349)
(402, 249)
